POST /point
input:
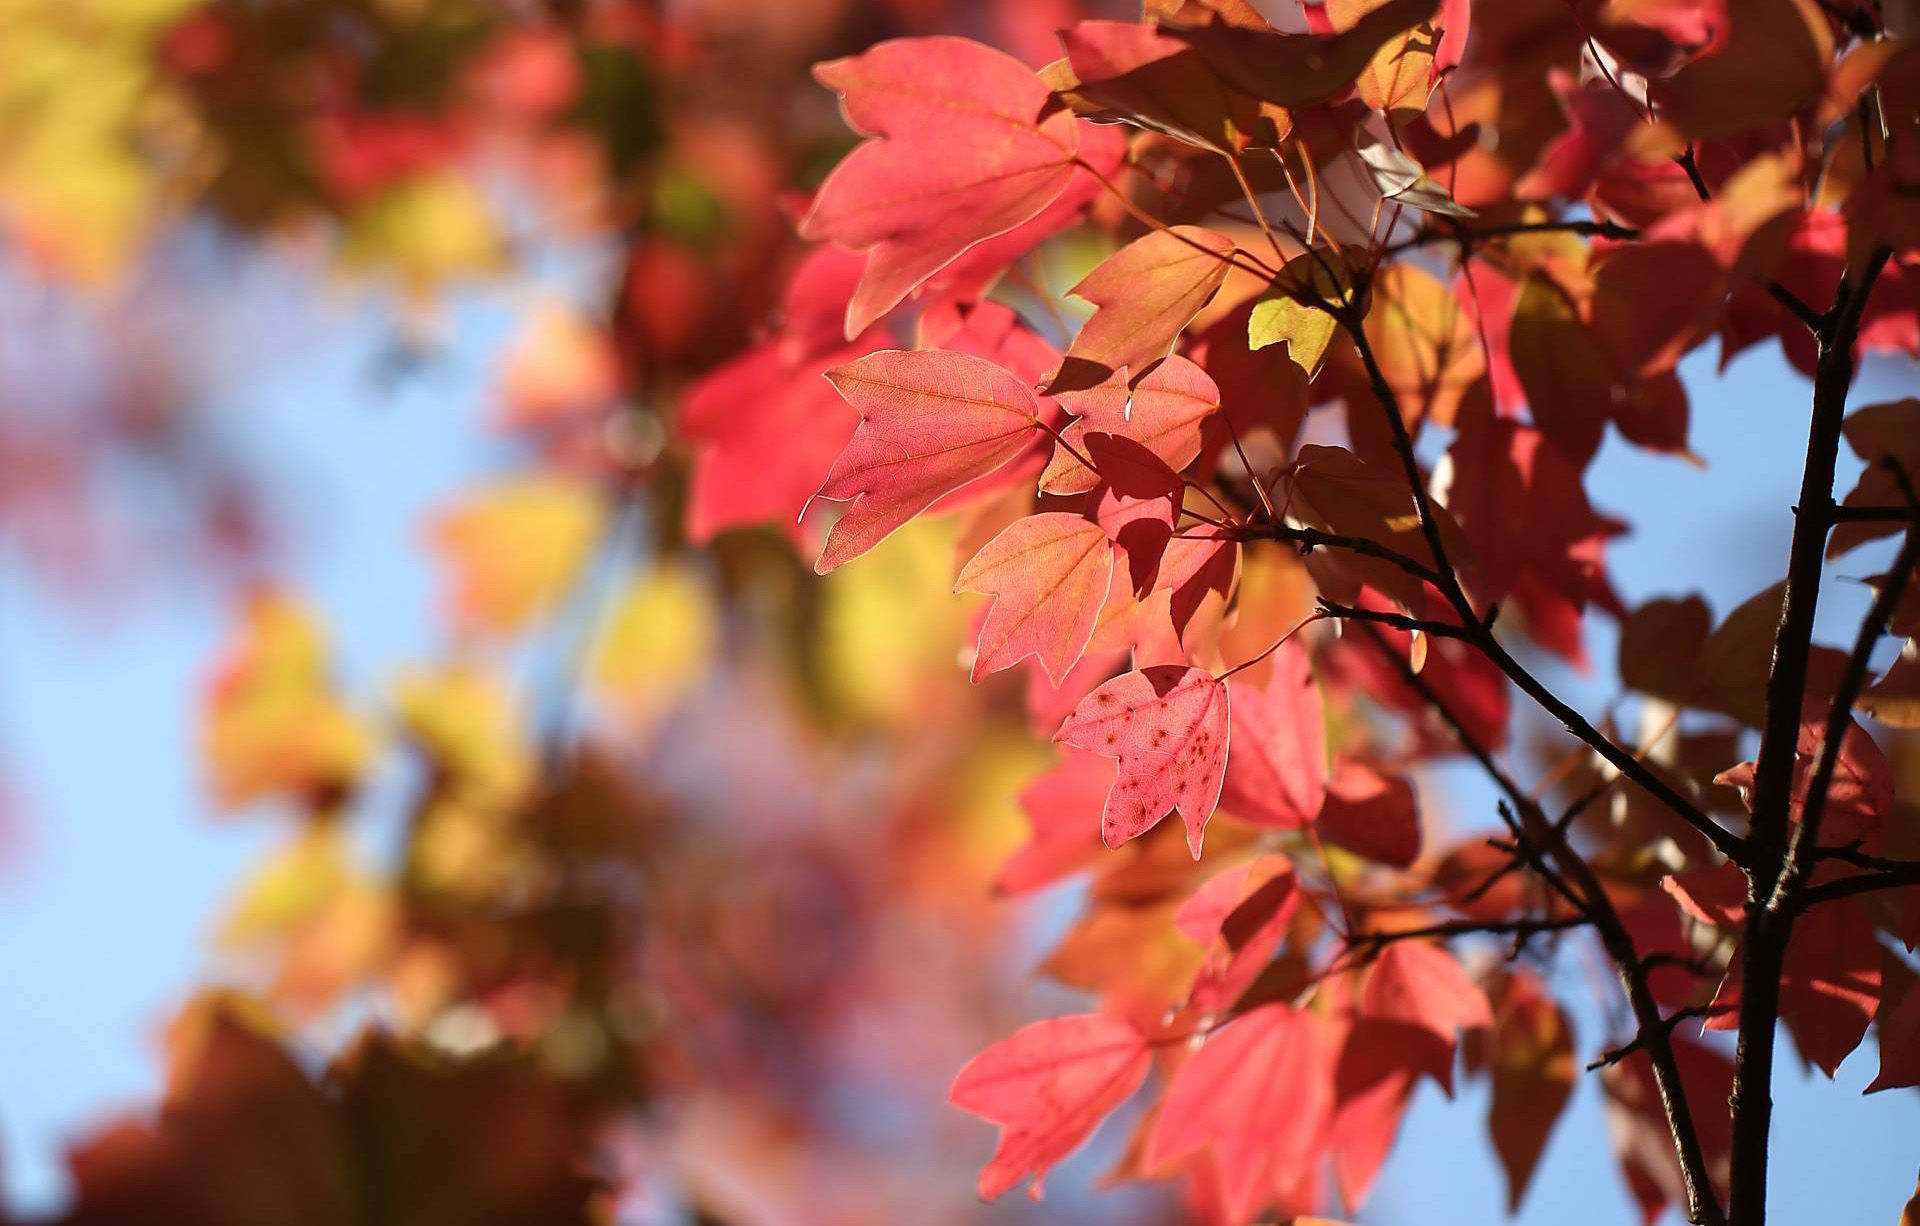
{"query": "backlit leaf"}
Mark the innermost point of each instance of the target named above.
(1278, 773)
(1168, 728)
(272, 723)
(1295, 69)
(1254, 1098)
(1289, 312)
(1530, 1054)
(1003, 159)
(1049, 1086)
(1163, 412)
(1145, 294)
(930, 421)
(512, 551)
(1048, 575)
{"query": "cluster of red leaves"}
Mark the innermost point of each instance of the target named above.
(1390, 189)
(1374, 279)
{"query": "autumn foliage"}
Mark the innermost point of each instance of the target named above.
(1220, 383)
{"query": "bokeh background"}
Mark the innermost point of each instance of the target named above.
(361, 312)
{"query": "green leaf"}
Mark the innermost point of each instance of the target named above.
(1289, 312)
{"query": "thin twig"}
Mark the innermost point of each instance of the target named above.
(1253, 202)
(1242, 260)
(1638, 1043)
(1455, 232)
(1464, 928)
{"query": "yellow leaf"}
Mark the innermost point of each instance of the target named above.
(289, 887)
(323, 919)
(425, 231)
(271, 723)
(890, 623)
(657, 643)
(467, 723)
(1401, 71)
(1282, 316)
(1894, 700)
(77, 181)
(514, 549)
(463, 850)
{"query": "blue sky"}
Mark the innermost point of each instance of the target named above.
(107, 905)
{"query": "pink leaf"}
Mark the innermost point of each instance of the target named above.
(1193, 567)
(1278, 775)
(1049, 1085)
(1256, 1098)
(1168, 727)
(1371, 814)
(1002, 159)
(1063, 815)
(1048, 575)
(1137, 503)
(930, 421)
(1162, 412)
(1423, 986)
(1829, 984)
(1242, 916)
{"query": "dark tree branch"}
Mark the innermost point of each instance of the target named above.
(1796, 308)
(1482, 637)
(1616, 1054)
(1806, 835)
(1808, 317)
(1513, 865)
(1546, 845)
(1309, 539)
(1897, 877)
(1768, 926)
(1851, 854)
(1467, 928)
(1398, 621)
(1687, 162)
(1353, 319)
(1723, 840)
(1468, 237)
(1533, 829)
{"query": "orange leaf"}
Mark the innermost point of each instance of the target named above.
(271, 722)
(513, 550)
(1146, 293)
